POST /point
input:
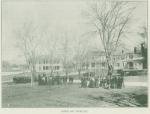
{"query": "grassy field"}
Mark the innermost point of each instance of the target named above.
(23, 95)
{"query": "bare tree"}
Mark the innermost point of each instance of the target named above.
(110, 19)
(51, 47)
(28, 41)
(80, 53)
(66, 52)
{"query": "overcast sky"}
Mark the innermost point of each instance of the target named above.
(64, 14)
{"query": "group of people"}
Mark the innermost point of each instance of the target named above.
(88, 82)
(115, 82)
(43, 79)
(104, 82)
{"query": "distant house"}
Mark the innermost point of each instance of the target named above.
(9, 67)
(133, 61)
(45, 65)
(129, 61)
(136, 60)
(95, 61)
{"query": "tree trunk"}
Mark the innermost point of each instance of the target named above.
(33, 74)
(79, 73)
(110, 71)
(32, 78)
(66, 74)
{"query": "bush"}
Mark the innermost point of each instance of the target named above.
(21, 79)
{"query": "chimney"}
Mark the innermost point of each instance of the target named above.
(142, 49)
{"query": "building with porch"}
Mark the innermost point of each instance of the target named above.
(95, 61)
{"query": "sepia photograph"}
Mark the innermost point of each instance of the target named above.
(74, 53)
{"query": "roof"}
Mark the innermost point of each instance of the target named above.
(134, 59)
(47, 58)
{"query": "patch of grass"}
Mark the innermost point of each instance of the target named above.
(71, 95)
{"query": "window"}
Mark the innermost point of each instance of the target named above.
(46, 61)
(57, 67)
(130, 65)
(103, 64)
(122, 57)
(87, 65)
(93, 64)
(131, 56)
(46, 67)
(43, 67)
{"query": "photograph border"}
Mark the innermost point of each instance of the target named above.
(89, 110)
